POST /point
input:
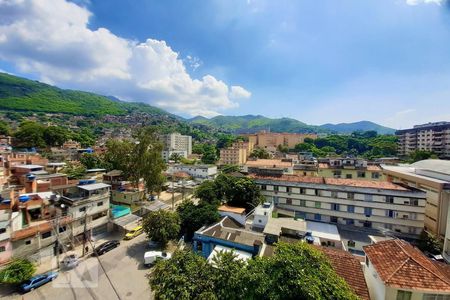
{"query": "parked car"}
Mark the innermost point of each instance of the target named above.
(37, 281)
(151, 257)
(70, 262)
(435, 257)
(134, 233)
(105, 247)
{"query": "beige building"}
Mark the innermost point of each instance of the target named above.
(270, 141)
(237, 154)
(350, 168)
(176, 143)
(370, 204)
(269, 167)
(433, 177)
(433, 137)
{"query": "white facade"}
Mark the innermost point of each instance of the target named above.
(262, 214)
(196, 171)
(176, 143)
(399, 210)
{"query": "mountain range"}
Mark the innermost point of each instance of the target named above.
(20, 94)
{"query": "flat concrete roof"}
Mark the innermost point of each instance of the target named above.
(94, 186)
(275, 225)
(323, 230)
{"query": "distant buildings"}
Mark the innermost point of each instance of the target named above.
(349, 168)
(433, 137)
(176, 143)
(199, 172)
(362, 203)
(237, 154)
(270, 141)
(269, 167)
(396, 270)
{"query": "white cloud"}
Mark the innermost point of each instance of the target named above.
(52, 38)
(417, 2)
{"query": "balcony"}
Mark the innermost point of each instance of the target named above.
(38, 227)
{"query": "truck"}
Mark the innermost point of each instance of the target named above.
(151, 257)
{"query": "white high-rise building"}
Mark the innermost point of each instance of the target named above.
(176, 143)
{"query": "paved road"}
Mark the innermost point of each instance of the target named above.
(88, 281)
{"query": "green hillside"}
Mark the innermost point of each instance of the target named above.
(347, 128)
(21, 94)
(251, 123)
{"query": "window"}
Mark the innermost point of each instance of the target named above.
(2, 249)
(367, 262)
(334, 194)
(368, 197)
(349, 176)
(82, 209)
(62, 229)
(331, 244)
(333, 219)
(28, 242)
(46, 234)
(288, 189)
(351, 243)
(350, 208)
(389, 199)
(303, 203)
(368, 211)
(275, 188)
(335, 206)
(2, 230)
(100, 203)
(361, 174)
(263, 187)
(367, 224)
(350, 195)
(349, 221)
(302, 191)
(390, 213)
(404, 295)
(289, 201)
(317, 204)
(375, 175)
(317, 192)
(414, 202)
(317, 217)
(435, 297)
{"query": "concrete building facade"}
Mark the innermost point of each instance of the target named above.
(176, 143)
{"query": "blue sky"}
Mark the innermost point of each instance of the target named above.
(317, 61)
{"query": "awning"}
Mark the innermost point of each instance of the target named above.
(127, 222)
(156, 205)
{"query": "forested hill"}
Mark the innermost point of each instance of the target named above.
(20, 94)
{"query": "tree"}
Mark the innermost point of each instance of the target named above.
(283, 149)
(185, 276)
(55, 135)
(4, 128)
(118, 153)
(162, 226)
(74, 170)
(176, 157)
(429, 243)
(206, 191)
(421, 155)
(17, 271)
(30, 134)
(260, 153)
(226, 169)
(209, 155)
(85, 137)
(193, 217)
(94, 161)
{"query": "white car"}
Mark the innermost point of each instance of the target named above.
(151, 257)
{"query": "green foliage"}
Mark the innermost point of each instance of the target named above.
(117, 155)
(429, 243)
(74, 170)
(94, 161)
(226, 169)
(4, 128)
(367, 144)
(30, 134)
(421, 155)
(85, 137)
(283, 149)
(176, 157)
(193, 217)
(240, 192)
(208, 152)
(162, 226)
(260, 153)
(55, 135)
(17, 271)
(295, 271)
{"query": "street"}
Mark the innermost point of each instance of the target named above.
(123, 265)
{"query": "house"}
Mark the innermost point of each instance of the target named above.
(237, 213)
(5, 235)
(394, 269)
(269, 167)
(199, 172)
(350, 168)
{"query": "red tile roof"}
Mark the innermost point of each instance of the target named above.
(291, 178)
(400, 265)
(232, 209)
(349, 268)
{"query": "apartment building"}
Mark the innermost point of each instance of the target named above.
(433, 137)
(5, 235)
(433, 177)
(88, 206)
(276, 167)
(271, 140)
(349, 168)
(394, 269)
(199, 172)
(371, 204)
(176, 143)
(237, 154)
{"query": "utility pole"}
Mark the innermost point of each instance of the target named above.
(84, 234)
(57, 238)
(173, 194)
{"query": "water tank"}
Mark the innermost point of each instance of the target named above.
(24, 198)
(31, 177)
(6, 201)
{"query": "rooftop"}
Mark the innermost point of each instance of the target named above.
(28, 166)
(274, 226)
(400, 265)
(272, 163)
(323, 230)
(435, 165)
(94, 186)
(231, 209)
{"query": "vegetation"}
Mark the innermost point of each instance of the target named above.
(162, 226)
(4, 128)
(240, 192)
(296, 271)
(368, 144)
(429, 243)
(260, 153)
(74, 170)
(208, 152)
(421, 155)
(17, 271)
(193, 217)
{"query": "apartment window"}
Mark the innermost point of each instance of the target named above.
(28, 242)
(349, 221)
(317, 217)
(361, 174)
(337, 174)
(351, 196)
(62, 229)
(2, 249)
(390, 213)
(367, 262)
(2, 230)
(82, 209)
(349, 176)
(263, 187)
(367, 224)
(331, 244)
(289, 201)
(335, 206)
(288, 189)
(388, 226)
(275, 188)
(414, 202)
(317, 204)
(351, 243)
(368, 211)
(334, 194)
(435, 297)
(350, 208)
(375, 175)
(317, 192)
(46, 234)
(333, 219)
(303, 203)
(404, 295)
(100, 203)
(302, 191)
(389, 199)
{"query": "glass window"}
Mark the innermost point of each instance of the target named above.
(317, 204)
(289, 201)
(350, 195)
(2, 249)
(317, 217)
(361, 174)
(82, 209)
(375, 175)
(335, 206)
(349, 176)
(333, 219)
(334, 194)
(368, 211)
(302, 191)
(389, 199)
(404, 295)
(436, 297)
(349, 221)
(100, 203)
(46, 234)
(350, 208)
(303, 203)
(351, 243)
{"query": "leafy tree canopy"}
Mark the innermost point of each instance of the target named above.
(17, 271)
(193, 217)
(260, 153)
(162, 226)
